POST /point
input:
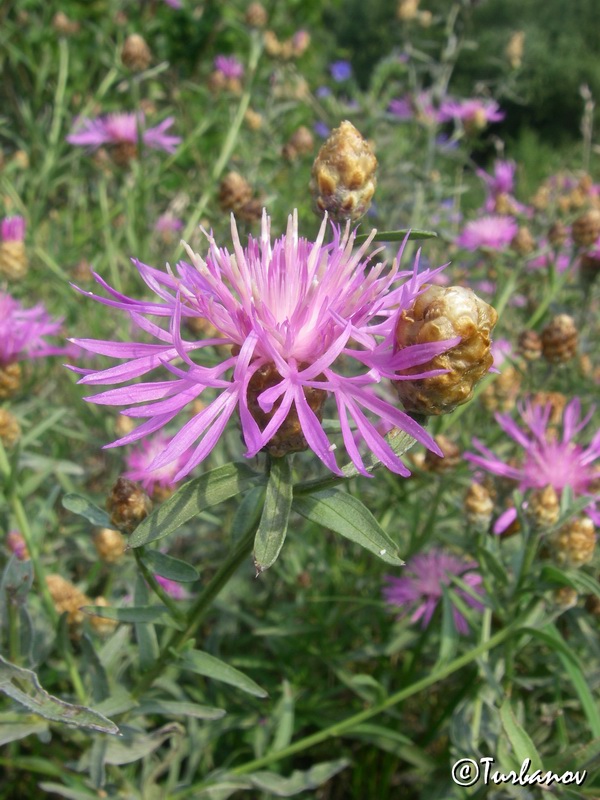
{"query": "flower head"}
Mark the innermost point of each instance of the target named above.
(140, 459)
(22, 331)
(422, 586)
(122, 128)
(547, 460)
(340, 71)
(493, 232)
(12, 229)
(229, 66)
(401, 108)
(288, 309)
(474, 113)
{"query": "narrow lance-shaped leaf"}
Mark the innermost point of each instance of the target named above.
(194, 497)
(518, 737)
(396, 236)
(204, 664)
(23, 685)
(272, 529)
(168, 567)
(86, 509)
(344, 514)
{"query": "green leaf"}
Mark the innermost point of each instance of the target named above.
(172, 568)
(204, 664)
(23, 685)
(348, 516)
(18, 726)
(396, 236)
(272, 529)
(178, 708)
(134, 614)
(520, 741)
(194, 497)
(299, 781)
(85, 508)
(145, 632)
(283, 717)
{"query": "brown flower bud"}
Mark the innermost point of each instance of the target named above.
(544, 508)
(566, 597)
(592, 605)
(514, 49)
(63, 25)
(436, 315)
(503, 204)
(446, 463)
(559, 339)
(530, 345)
(234, 192)
(256, 15)
(523, 242)
(289, 438)
(10, 430)
(541, 198)
(136, 54)
(109, 544)
(253, 119)
(17, 545)
(586, 228)
(67, 598)
(13, 260)
(573, 545)
(102, 625)
(502, 393)
(128, 504)
(558, 234)
(343, 175)
(577, 197)
(300, 143)
(479, 507)
(251, 211)
(589, 268)
(407, 10)
(10, 379)
(272, 44)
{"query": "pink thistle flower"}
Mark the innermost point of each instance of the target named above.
(139, 464)
(547, 460)
(17, 546)
(493, 232)
(168, 224)
(287, 308)
(422, 586)
(501, 185)
(122, 128)
(401, 108)
(174, 3)
(12, 229)
(474, 113)
(22, 331)
(229, 66)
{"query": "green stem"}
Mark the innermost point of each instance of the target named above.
(107, 227)
(342, 727)
(555, 288)
(486, 626)
(158, 590)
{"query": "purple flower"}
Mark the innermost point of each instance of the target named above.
(503, 179)
(546, 459)
(421, 588)
(322, 130)
(22, 331)
(229, 66)
(12, 229)
(167, 223)
(172, 588)
(494, 232)
(288, 309)
(174, 3)
(474, 114)
(322, 92)
(401, 108)
(139, 463)
(114, 129)
(340, 71)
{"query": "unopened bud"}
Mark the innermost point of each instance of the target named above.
(446, 463)
(67, 598)
(573, 545)
(343, 175)
(256, 15)
(502, 393)
(253, 119)
(10, 430)
(437, 315)
(585, 230)
(10, 379)
(289, 438)
(530, 345)
(102, 625)
(136, 54)
(592, 605)
(558, 234)
(63, 25)
(17, 545)
(272, 44)
(514, 49)
(109, 544)
(300, 143)
(407, 10)
(544, 508)
(234, 192)
(559, 339)
(479, 507)
(128, 505)
(566, 597)
(541, 198)
(523, 242)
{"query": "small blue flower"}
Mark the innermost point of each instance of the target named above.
(340, 71)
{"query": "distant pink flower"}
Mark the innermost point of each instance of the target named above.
(12, 229)
(172, 588)
(22, 331)
(473, 114)
(402, 108)
(229, 66)
(493, 232)
(289, 308)
(114, 129)
(421, 588)
(17, 546)
(139, 461)
(546, 460)
(167, 223)
(561, 259)
(501, 350)
(502, 184)
(174, 3)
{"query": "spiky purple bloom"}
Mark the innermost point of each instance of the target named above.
(493, 232)
(421, 588)
(167, 223)
(474, 110)
(340, 71)
(501, 183)
(229, 66)
(547, 460)
(12, 229)
(140, 459)
(291, 307)
(113, 129)
(22, 331)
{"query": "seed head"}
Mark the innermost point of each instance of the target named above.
(136, 54)
(450, 460)
(300, 143)
(502, 393)
(566, 597)
(573, 545)
(10, 380)
(109, 544)
(530, 345)
(10, 430)
(544, 508)
(559, 339)
(479, 506)
(523, 242)
(586, 228)
(234, 192)
(67, 598)
(558, 234)
(436, 315)
(343, 175)
(127, 505)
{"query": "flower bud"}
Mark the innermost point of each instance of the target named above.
(102, 625)
(502, 393)
(436, 315)
(523, 242)
(573, 545)
(289, 438)
(544, 508)
(586, 228)
(558, 234)
(272, 44)
(16, 544)
(67, 598)
(446, 463)
(127, 505)
(592, 605)
(10, 379)
(343, 175)
(109, 544)
(514, 49)
(530, 345)
(234, 192)
(407, 10)
(479, 507)
(136, 54)
(256, 16)
(13, 255)
(253, 119)
(300, 143)
(10, 430)
(63, 25)
(566, 597)
(559, 339)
